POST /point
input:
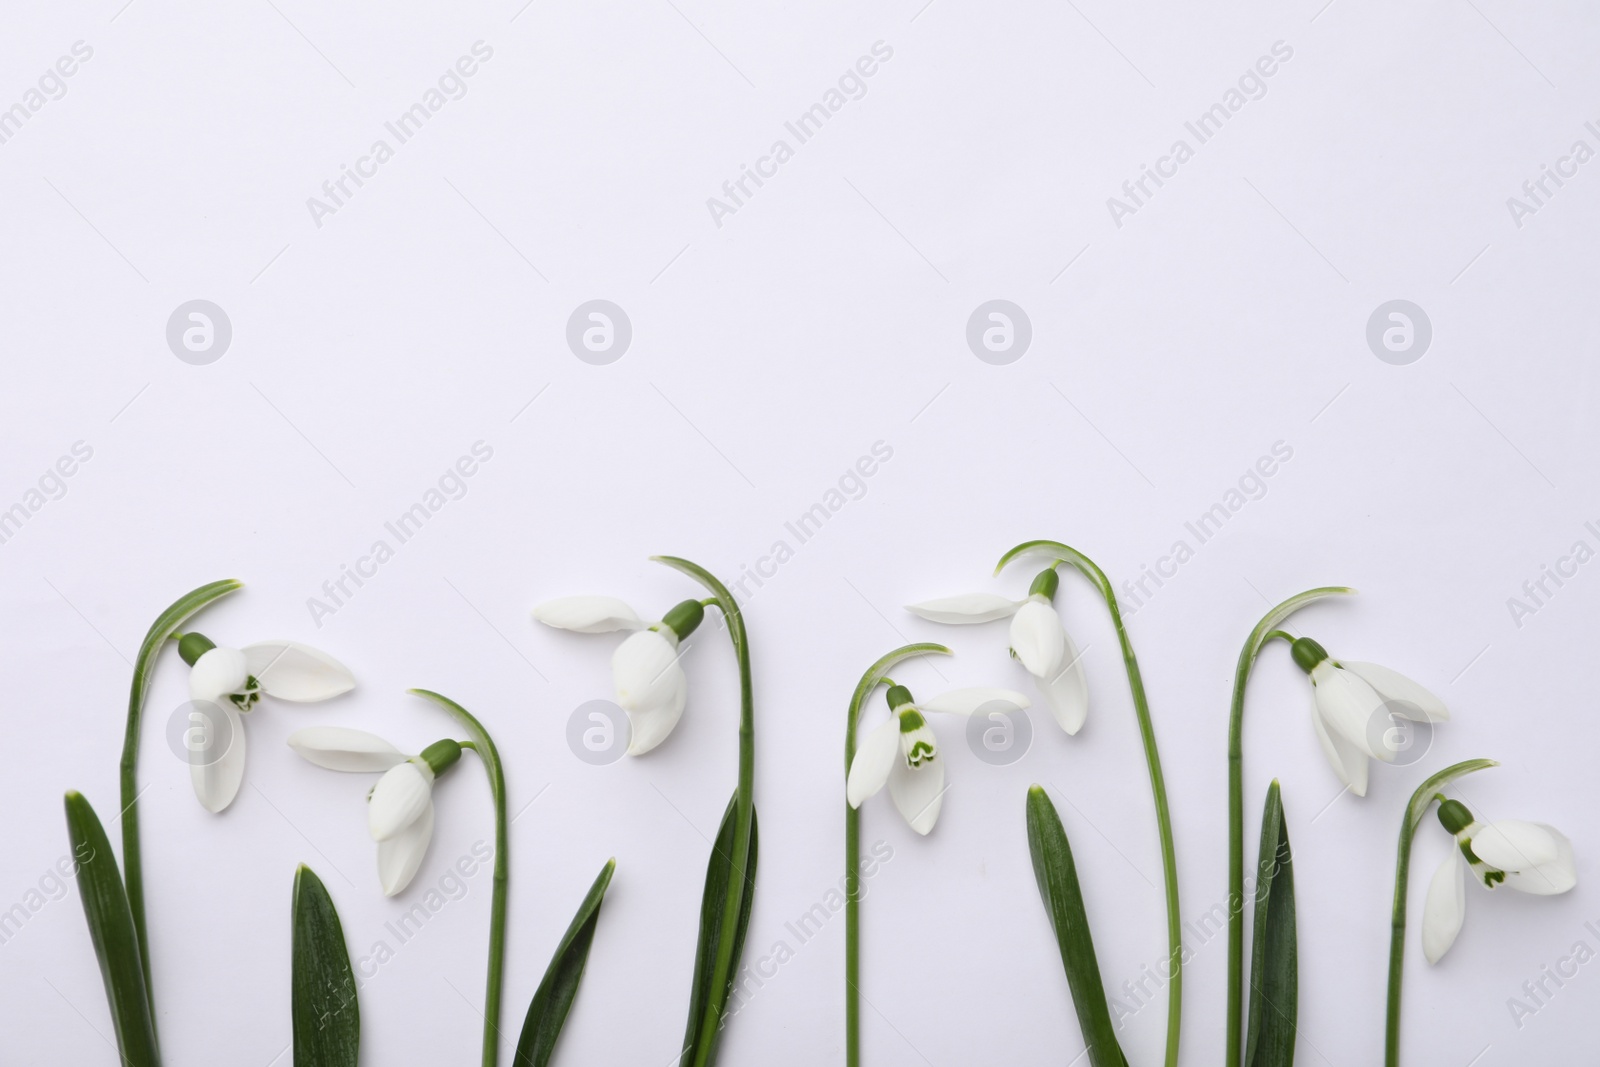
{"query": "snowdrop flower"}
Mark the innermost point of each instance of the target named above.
(1038, 641)
(400, 806)
(1354, 706)
(904, 753)
(1526, 856)
(651, 686)
(231, 680)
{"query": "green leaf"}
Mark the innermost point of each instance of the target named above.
(105, 906)
(1063, 902)
(706, 1004)
(1274, 966)
(327, 1019)
(553, 999)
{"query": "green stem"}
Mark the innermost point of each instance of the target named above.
(1265, 630)
(876, 674)
(483, 745)
(165, 626)
(1158, 786)
(744, 809)
(1421, 800)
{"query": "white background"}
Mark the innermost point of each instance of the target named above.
(827, 314)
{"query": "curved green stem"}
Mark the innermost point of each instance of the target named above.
(744, 808)
(483, 745)
(165, 626)
(1265, 631)
(1158, 785)
(876, 674)
(1415, 810)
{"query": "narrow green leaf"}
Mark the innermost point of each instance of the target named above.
(1274, 964)
(105, 906)
(327, 1019)
(553, 999)
(706, 1005)
(1063, 902)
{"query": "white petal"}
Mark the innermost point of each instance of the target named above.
(649, 726)
(1514, 845)
(918, 791)
(1038, 639)
(588, 614)
(1353, 710)
(874, 759)
(218, 672)
(401, 796)
(289, 670)
(1547, 879)
(645, 669)
(401, 855)
(1446, 907)
(1347, 761)
(973, 607)
(1067, 690)
(967, 701)
(340, 748)
(215, 742)
(1407, 699)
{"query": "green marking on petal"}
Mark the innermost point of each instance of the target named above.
(911, 721)
(920, 753)
(246, 698)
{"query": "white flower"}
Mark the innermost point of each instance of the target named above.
(651, 686)
(1354, 706)
(400, 806)
(904, 752)
(1038, 640)
(227, 682)
(1525, 856)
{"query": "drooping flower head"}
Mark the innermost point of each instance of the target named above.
(400, 805)
(1038, 641)
(650, 684)
(228, 682)
(903, 752)
(1354, 708)
(1526, 856)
